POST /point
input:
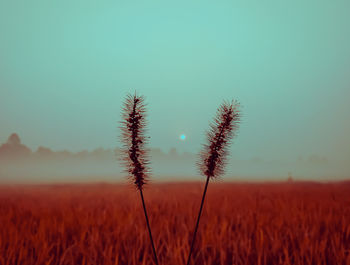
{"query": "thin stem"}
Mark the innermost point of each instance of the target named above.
(199, 216)
(149, 228)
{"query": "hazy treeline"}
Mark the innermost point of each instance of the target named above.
(20, 163)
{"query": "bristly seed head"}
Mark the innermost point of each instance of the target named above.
(222, 130)
(133, 126)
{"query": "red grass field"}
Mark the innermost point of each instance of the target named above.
(298, 223)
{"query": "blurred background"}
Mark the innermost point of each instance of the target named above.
(66, 66)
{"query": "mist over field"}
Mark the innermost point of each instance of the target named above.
(18, 163)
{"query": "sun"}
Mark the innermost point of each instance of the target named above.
(182, 137)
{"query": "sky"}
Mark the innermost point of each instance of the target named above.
(66, 66)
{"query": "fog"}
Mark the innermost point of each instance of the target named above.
(19, 164)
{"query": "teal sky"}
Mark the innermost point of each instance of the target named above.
(65, 67)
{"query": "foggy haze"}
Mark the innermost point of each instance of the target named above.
(20, 164)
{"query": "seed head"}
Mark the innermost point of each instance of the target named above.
(214, 154)
(133, 126)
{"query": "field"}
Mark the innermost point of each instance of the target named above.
(103, 224)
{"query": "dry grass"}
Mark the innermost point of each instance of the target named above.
(241, 224)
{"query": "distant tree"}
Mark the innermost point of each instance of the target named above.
(43, 151)
(13, 148)
(14, 139)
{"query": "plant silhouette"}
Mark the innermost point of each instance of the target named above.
(213, 156)
(135, 156)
